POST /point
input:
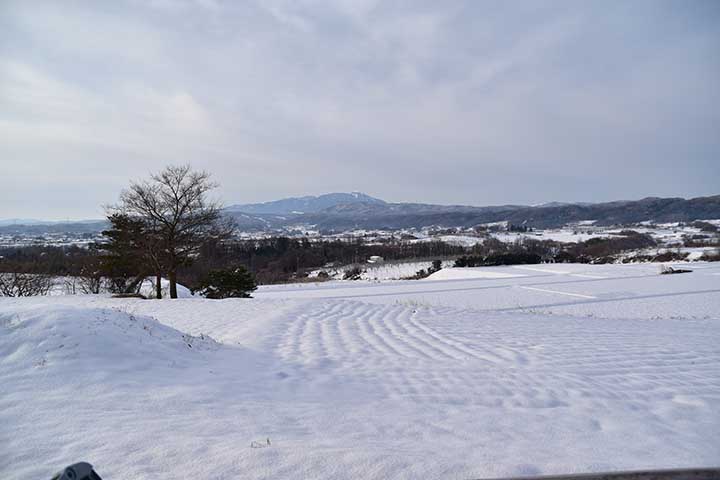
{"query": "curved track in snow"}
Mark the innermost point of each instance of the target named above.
(474, 378)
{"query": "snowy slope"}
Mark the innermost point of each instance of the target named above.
(558, 369)
(382, 271)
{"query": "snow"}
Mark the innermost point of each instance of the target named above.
(666, 233)
(383, 271)
(561, 235)
(71, 285)
(460, 240)
(147, 289)
(467, 273)
(537, 369)
(693, 253)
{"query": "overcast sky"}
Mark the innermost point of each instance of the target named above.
(471, 102)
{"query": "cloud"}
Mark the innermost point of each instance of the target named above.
(453, 102)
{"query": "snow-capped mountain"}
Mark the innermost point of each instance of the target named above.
(307, 204)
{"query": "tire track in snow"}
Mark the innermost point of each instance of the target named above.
(374, 321)
(425, 364)
(383, 328)
(289, 347)
(421, 348)
(452, 347)
(334, 336)
(365, 333)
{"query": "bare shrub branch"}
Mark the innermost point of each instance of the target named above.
(17, 284)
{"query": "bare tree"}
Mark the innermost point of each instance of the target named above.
(83, 283)
(70, 285)
(16, 284)
(90, 282)
(152, 244)
(175, 206)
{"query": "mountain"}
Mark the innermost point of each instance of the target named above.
(32, 221)
(24, 221)
(560, 204)
(308, 204)
(73, 228)
(383, 215)
(348, 211)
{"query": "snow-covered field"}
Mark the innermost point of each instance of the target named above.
(382, 271)
(469, 373)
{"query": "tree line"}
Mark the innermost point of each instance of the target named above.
(168, 227)
(127, 258)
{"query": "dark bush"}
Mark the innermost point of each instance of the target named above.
(469, 261)
(130, 295)
(497, 259)
(711, 256)
(669, 256)
(436, 266)
(422, 273)
(705, 226)
(565, 257)
(352, 273)
(600, 247)
(519, 258)
(229, 283)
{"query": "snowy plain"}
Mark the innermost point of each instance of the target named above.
(470, 373)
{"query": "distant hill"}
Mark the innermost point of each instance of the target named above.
(32, 221)
(22, 221)
(348, 211)
(302, 205)
(383, 215)
(75, 228)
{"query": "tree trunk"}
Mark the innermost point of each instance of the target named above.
(135, 285)
(158, 285)
(172, 276)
